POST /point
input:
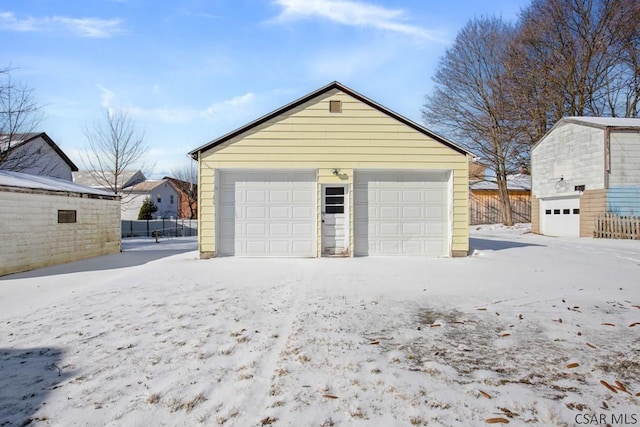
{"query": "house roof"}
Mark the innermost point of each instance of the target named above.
(605, 122)
(147, 186)
(331, 86)
(180, 185)
(85, 177)
(517, 181)
(37, 182)
(24, 138)
(619, 123)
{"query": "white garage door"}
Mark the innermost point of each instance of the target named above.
(267, 213)
(401, 213)
(560, 216)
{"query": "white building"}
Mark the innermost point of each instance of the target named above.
(161, 192)
(35, 154)
(582, 167)
(46, 221)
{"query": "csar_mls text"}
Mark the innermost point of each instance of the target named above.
(604, 419)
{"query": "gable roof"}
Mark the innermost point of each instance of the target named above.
(150, 185)
(616, 123)
(604, 122)
(24, 138)
(129, 176)
(180, 185)
(12, 179)
(331, 86)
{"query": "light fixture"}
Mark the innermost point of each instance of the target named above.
(336, 172)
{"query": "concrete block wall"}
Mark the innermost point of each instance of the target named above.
(33, 238)
(569, 155)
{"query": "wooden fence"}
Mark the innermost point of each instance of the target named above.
(611, 226)
(485, 207)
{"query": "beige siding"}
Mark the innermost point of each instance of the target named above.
(535, 215)
(592, 203)
(310, 137)
(32, 237)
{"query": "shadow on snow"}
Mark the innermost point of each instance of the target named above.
(496, 245)
(26, 378)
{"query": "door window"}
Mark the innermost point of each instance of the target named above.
(334, 200)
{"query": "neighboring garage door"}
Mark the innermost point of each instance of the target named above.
(401, 213)
(560, 216)
(267, 213)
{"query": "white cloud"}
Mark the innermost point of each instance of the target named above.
(352, 13)
(106, 97)
(224, 107)
(85, 27)
(220, 111)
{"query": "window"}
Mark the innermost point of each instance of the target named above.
(576, 211)
(547, 212)
(334, 200)
(159, 198)
(171, 199)
(335, 106)
(566, 211)
(66, 217)
(556, 211)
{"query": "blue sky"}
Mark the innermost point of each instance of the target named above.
(190, 71)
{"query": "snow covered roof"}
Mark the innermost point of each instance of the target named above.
(23, 180)
(517, 181)
(129, 177)
(605, 121)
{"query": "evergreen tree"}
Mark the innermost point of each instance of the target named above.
(147, 209)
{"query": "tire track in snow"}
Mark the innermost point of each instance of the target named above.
(261, 393)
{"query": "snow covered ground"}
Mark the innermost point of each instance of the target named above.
(528, 330)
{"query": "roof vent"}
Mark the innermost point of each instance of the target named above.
(335, 106)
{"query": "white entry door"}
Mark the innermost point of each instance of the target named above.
(335, 232)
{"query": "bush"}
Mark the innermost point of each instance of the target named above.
(147, 209)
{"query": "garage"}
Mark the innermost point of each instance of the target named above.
(560, 216)
(332, 174)
(401, 213)
(267, 213)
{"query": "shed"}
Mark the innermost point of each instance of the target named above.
(46, 221)
(584, 167)
(484, 201)
(332, 173)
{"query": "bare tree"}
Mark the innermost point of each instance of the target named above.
(471, 101)
(20, 115)
(187, 179)
(114, 147)
(575, 57)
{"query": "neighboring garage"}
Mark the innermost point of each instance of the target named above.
(332, 174)
(560, 216)
(46, 221)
